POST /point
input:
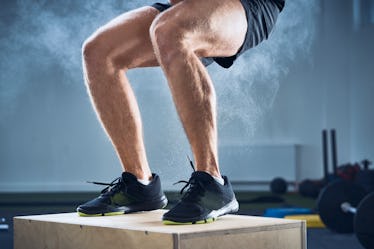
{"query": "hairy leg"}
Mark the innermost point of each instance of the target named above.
(122, 44)
(204, 29)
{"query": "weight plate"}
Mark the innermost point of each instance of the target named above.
(308, 188)
(278, 186)
(364, 221)
(329, 204)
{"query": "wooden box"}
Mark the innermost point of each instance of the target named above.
(146, 231)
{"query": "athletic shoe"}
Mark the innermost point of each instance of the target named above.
(125, 195)
(204, 201)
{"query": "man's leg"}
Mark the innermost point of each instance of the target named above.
(122, 44)
(189, 30)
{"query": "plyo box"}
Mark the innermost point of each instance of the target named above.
(145, 231)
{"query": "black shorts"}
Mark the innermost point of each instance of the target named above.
(261, 17)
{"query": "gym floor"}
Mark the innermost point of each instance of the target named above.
(26, 204)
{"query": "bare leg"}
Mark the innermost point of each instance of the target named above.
(206, 28)
(121, 44)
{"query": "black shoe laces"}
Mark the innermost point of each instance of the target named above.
(195, 187)
(112, 187)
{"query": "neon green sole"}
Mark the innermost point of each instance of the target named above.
(170, 222)
(96, 215)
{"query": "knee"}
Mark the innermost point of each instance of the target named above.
(91, 50)
(96, 63)
(96, 53)
(168, 40)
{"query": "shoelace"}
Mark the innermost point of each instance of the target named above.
(112, 187)
(195, 187)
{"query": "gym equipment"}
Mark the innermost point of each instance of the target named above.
(282, 212)
(3, 225)
(336, 208)
(334, 151)
(312, 220)
(348, 171)
(364, 220)
(311, 188)
(329, 205)
(366, 163)
(145, 230)
(365, 177)
(325, 154)
(278, 186)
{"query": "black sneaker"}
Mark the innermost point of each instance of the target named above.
(204, 201)
(125, 195)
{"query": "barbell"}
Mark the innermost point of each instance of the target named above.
(345, 207)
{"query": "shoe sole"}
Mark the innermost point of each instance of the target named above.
(170, 222)
(101, 214)
(230, 208)
(126, 210)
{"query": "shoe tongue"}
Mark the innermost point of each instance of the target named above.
(202, 176)
(126, 176)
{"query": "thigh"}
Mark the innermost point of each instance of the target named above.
(125, 40)
(212, 27)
